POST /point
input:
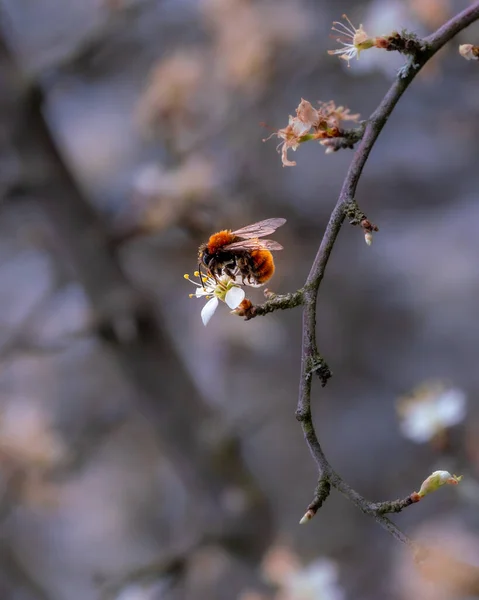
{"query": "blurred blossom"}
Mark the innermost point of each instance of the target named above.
(169, 99)
(138, 592)
(448, 568)
(317, 581)
(432, 13)
(29, 446)
(430, 410)
(279, 564)
(247, 37)
(187, 91)
(27, 436)
(162, 197)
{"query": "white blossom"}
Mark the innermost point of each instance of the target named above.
(224, 288)
(317, 581)
(431, 410)
(359, 40)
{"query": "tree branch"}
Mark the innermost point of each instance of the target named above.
(310, 291)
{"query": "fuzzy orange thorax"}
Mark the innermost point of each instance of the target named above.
(220, 239)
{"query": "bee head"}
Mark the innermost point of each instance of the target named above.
(204, 255)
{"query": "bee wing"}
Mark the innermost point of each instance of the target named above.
(259, 229)
(254, 244)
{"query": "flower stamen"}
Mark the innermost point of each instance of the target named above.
(224, 288)
(345, 30)
(359, 40)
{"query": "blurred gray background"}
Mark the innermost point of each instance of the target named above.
(156, 108)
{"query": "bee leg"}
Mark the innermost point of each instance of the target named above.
(228, 272)
(201, 275)
(213, 274)
(242, 266)
(242, 273)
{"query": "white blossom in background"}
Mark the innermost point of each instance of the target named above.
(139, 591)
(430, 410)
(317, 581)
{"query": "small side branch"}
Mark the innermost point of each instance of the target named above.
(274, 302)
(320, 494)
(395, 506)
(346, 140)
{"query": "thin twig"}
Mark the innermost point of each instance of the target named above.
(309, 344)
(274, 302)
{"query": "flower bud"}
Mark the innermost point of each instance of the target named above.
(306, 518)
(469, 52)
(436, 480)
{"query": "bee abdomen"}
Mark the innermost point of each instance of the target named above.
(262, 265)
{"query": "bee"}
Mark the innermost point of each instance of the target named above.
(241, 252)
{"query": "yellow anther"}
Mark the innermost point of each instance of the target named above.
(196, 273)
(191, 295)
(186, 276)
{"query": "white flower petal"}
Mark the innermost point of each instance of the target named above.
(421, 424)
(451, 407)
(300, 128)
(208, 310)
(234, 297)
(318, 580)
